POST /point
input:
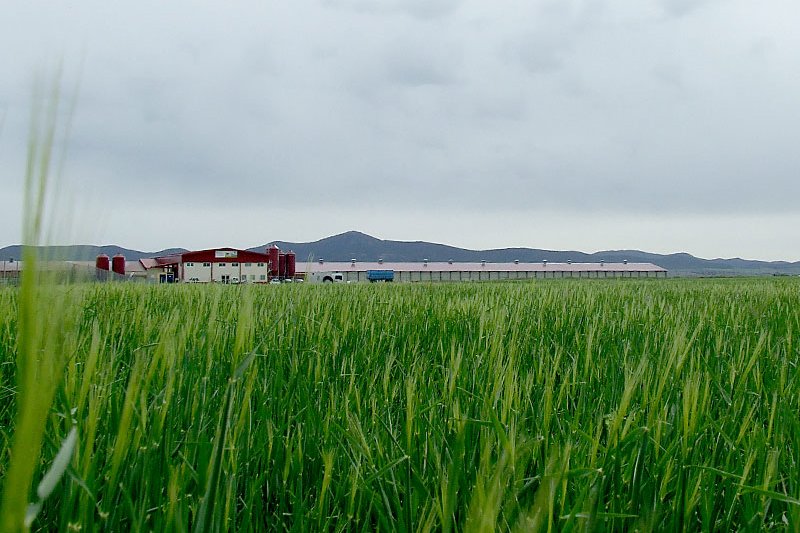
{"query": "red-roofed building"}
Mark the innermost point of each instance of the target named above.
(220, 265)
(224, 265)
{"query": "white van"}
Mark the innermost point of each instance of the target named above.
(326, 277)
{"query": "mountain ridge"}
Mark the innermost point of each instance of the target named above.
(83, 252)
(363, 247)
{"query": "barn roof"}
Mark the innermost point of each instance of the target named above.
(446, 266)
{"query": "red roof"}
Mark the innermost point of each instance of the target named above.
(224, 255)
(148, 262)
(168, 260)
(212, 255)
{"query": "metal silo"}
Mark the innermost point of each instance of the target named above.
(118, 264)
(102, 265)
(274, 253)
(291, 263)
(102, 262)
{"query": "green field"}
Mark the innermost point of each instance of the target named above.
(653, 405)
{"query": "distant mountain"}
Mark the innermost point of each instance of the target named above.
(362, 247)
(83, 252)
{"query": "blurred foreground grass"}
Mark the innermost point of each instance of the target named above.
(588, 405)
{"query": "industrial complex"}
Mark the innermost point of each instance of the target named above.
(232, 266)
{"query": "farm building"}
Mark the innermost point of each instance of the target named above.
(480, 271)
(216, 265)
(9, 271)
(229, 265)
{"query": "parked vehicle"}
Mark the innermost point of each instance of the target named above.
(326, 277)
(380, 275)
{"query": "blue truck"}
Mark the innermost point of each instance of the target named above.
(380, 275)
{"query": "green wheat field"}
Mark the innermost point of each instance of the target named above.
(652, 405)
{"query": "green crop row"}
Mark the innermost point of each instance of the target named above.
(557, 405)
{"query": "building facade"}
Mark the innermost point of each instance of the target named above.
(230, 265)
(224, 265)
(480, 271)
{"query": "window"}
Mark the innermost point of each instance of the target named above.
(248, 264)
(189, 264)
(222, 264)
(261, 264)
(206, 265)
(234, 264)
(262, 277)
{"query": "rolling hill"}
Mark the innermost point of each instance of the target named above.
(83, 252)
(363, 247)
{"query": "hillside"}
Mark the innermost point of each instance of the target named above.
(83, 252)
(363, 247)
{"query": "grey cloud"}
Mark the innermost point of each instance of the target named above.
(447, 107)
(680, 8)
(540, 55)
(507, 105)
(427, 9)
(420, 9)
(669, 74)
(428, 63)
(549, 32)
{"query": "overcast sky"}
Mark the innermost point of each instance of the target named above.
(662, 125)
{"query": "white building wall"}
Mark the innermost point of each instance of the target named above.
(253, 272)
(197, 272)
(226, 271)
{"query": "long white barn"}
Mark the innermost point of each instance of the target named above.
(481, 271)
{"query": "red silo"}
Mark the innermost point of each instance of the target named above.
(274, 253)
(291, 263)
(118, 264)
(102, 265)
(102, 262)
(282, 265)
